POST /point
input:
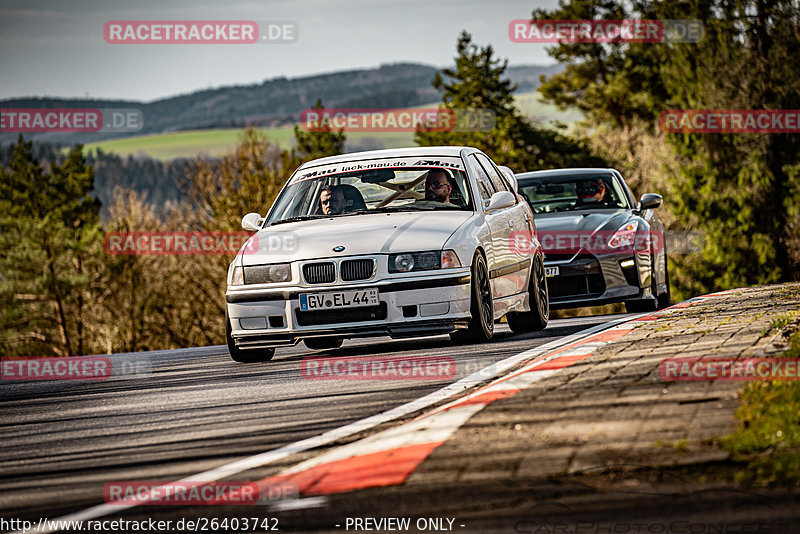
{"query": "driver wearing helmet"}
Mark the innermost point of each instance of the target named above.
(591, 191)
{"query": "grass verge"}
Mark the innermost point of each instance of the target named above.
(767, 438)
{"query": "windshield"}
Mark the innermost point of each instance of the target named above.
(386, 186)
(573, 192)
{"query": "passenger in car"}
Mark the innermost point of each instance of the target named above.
(332, 200)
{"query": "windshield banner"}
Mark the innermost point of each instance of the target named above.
(451, 162)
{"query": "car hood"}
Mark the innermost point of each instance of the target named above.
(359, 234)
(583, 223)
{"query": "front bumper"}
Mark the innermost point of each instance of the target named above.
(593, 280)
(409, 306)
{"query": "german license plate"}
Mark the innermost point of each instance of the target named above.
(549, 272)
(339, 299)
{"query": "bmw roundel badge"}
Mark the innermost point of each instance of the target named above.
(338, 248)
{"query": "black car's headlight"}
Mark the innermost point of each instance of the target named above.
(625, 236)
(423, 261)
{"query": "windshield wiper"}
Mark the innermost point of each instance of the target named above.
(385, 209)
(395, 209)
(300, 218)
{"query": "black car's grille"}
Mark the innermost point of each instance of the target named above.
(319, 273)
(357, 269)
(581, 277)
(576, 286)
(344, 315)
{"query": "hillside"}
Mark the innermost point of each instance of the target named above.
(272, 103)
(217, 142)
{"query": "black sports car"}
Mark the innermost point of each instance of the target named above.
(601, 246)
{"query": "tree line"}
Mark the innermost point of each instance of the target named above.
(62, 294)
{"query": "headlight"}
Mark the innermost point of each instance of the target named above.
(402, 263)
(237, 277)
(261, 274)
(625, 236)
(279, 272)
(423, 261)
(268, 274)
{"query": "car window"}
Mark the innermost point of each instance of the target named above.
(627, 191)
(484, 183)
(494, 174)
(554, 193)
(384, 187)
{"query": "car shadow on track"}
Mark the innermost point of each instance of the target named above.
(502, 338)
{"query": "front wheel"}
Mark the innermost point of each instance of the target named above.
(539, 298)
(245, 356)
(665, 299)
(481, 324)
(646, 305)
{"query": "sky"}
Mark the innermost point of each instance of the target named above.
(56, 47)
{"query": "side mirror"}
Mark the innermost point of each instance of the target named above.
(251, 222)
(500, 200)
(649, 201)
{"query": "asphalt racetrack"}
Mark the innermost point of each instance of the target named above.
(166, 415)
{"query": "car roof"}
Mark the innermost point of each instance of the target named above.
(390, 153)
(565, 172)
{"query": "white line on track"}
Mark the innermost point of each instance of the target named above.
(350, 429)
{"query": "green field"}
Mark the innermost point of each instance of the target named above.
(215, 143)
(186, 144)
(193, 143)
(532, 107)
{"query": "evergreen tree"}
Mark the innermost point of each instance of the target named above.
(48, 228)
(476, 83)
(740, 189)
(317, 144)
(614, 82)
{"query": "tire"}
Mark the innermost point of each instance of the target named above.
(537, 318)
(640, 306)
(481, 324)
(323, 343)
(645, 305)
(245, 356)
(665, 299)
